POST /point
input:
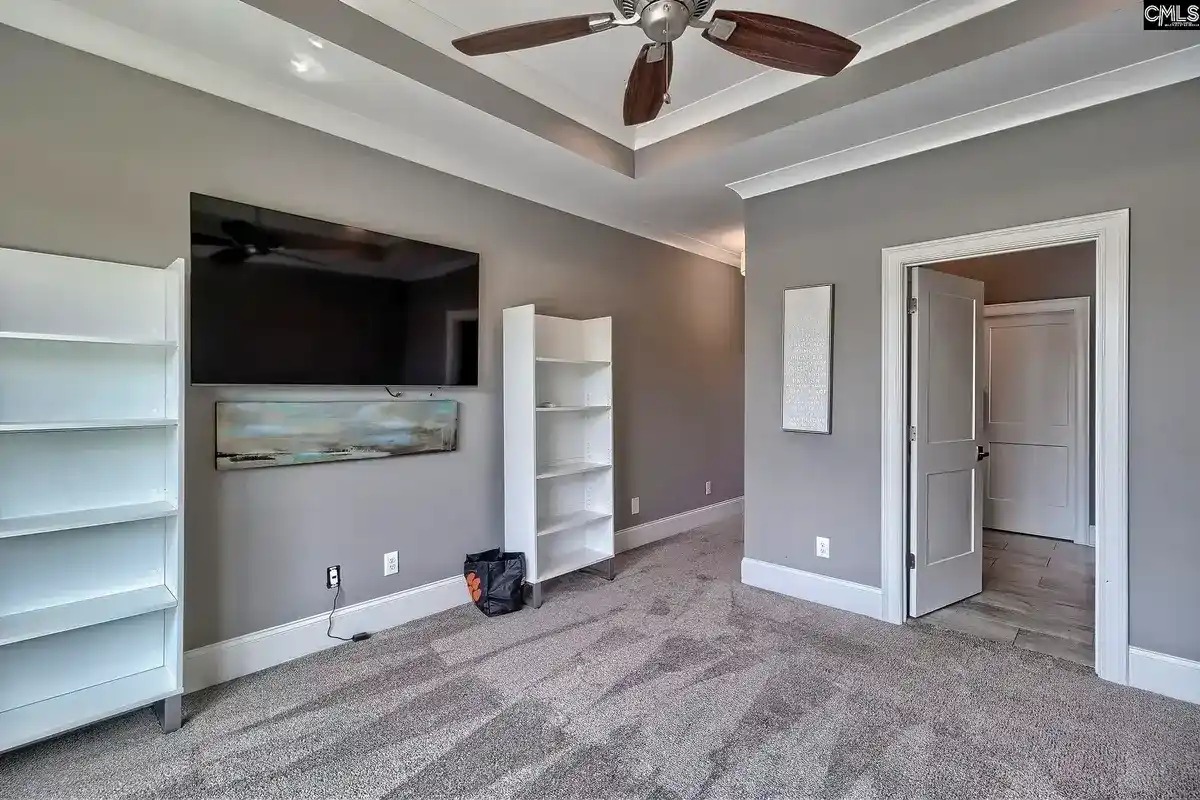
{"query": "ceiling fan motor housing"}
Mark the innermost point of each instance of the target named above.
(664, 20)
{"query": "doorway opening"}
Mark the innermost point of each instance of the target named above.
(1000, 370)
(1108, 234)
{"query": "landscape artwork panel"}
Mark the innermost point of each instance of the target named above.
(251, 435)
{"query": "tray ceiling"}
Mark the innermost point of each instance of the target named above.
(585, 78)
(939, 73)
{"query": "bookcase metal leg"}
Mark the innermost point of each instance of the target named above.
(535, 595)
(605, 569)
(170, 713)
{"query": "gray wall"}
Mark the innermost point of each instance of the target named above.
(1051, 273)
(97, 160)
(1139, 153)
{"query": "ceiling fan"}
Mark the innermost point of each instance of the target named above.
(766, 39)
(244, 240)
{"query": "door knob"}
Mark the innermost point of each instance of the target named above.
(980, 453)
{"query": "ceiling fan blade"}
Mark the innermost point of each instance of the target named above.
(781, 43)
(533, 34)
(199, 237)
(247, 233)
(286, 253)
(648, 84)
(230, 256)
(298, 240)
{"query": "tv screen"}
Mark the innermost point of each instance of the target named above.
(282, 299)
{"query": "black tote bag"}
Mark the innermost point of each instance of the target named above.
(496, 581)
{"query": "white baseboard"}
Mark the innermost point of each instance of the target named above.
(664, 528)
(846, 595)
(233, 658)
(1163, 674)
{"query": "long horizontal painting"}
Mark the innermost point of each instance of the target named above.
(279, 434)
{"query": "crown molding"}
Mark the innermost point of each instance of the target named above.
(415, 19)
(82, 31)
(926, 19)
(1145, 76)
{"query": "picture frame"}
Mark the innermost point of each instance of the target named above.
(807, 362)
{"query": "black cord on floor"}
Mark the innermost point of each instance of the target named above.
(358, 637)
(329, 630)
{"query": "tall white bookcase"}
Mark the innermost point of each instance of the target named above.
(558, 443)
(91, 531)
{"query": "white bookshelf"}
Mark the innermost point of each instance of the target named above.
(558, 443)
(91, 532)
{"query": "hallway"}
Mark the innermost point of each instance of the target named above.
(1038, 594)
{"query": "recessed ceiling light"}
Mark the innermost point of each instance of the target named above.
(306, 66)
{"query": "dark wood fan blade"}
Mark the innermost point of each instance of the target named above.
(230, 256)
(298, 240)
(784, 43)
(199, 237)
(247, 233)
(532, 34)
(647, 87)
(286, 253)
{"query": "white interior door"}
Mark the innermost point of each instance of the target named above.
(1036, 378)
(947, 443)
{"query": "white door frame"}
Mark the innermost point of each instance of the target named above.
(1110, 233)
(1081, 308)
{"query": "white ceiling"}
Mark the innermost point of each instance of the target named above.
(234, 50)
(585, 78)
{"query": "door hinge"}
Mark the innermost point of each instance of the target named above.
(912, 433)
(912, 561)
(912, 305)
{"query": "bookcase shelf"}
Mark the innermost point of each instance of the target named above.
(565, 522)
(61, 713)
(578, 361)
(558, 452)
(91, 524)
(62, 617)
(85, 425)
(25, 336)
(84, 518)
(560, 563)
(564, 468)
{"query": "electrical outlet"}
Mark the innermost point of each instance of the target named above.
(822, 547)
(333, 576)
(635, 506)
(708, 487)
(391, 563)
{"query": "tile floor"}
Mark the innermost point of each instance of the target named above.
(1038, 594)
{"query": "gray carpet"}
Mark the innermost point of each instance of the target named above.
(674, 681)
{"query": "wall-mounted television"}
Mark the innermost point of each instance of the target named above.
(282, 299)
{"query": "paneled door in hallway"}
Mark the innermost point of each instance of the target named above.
(947, 442)
(1036, 368)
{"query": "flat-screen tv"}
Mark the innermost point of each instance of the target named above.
(282, 299)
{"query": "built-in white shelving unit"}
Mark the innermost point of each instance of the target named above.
(558, 443)
(85, 425)
(91, 531)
